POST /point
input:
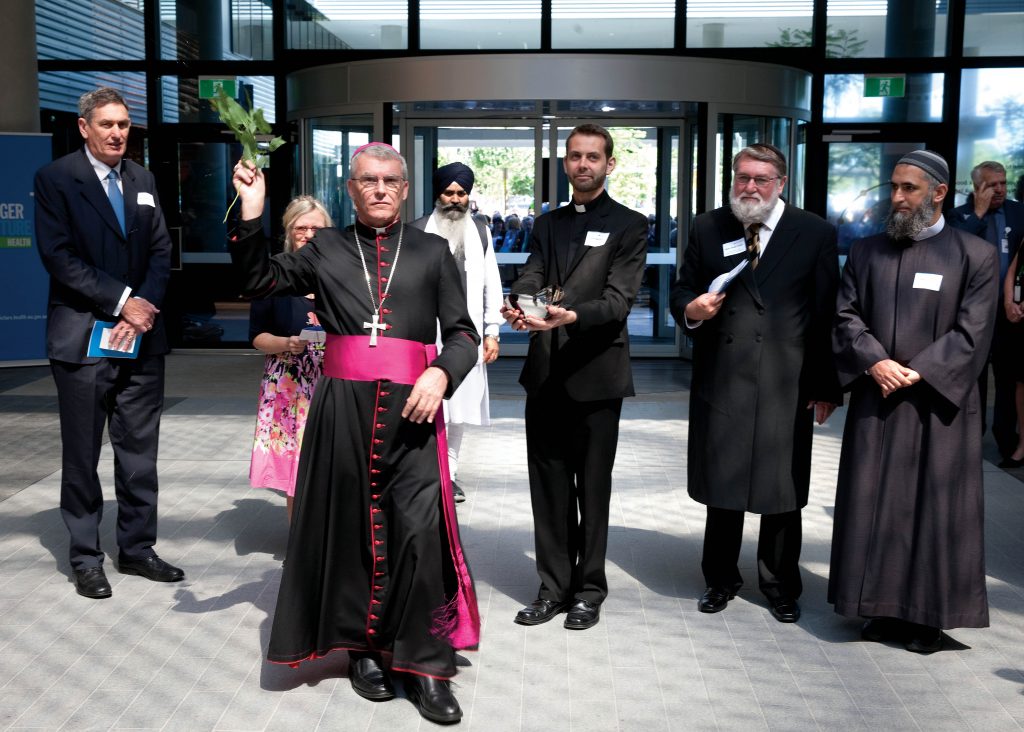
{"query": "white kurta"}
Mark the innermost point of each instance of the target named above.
(470, 404)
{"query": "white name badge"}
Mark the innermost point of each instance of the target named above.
(927, 281)
(596, 239)
(145, 199)
(734, 247)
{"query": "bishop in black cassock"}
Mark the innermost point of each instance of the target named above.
(375, 564)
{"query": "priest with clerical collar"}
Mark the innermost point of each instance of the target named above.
(576, 375)
(375, 565)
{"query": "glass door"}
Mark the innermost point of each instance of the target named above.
(649, 161)
(858, 186)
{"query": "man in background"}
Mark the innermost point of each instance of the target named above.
(470, 244)
(103, 240)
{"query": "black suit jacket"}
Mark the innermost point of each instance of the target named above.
(759, 361)
(590, 358)
(89, 259)
(964, 218)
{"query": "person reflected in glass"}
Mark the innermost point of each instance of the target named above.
(293, 365)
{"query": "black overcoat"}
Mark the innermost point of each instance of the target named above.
(759, 361)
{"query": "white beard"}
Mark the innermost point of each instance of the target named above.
(454, 230)
(752, 212)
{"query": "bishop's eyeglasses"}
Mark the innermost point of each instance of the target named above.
(370, 182)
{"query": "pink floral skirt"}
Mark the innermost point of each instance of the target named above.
(285, 393)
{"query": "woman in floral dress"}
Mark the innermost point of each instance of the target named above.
(293, 364)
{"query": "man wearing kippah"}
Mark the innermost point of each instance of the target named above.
(914, 322)
(470, 244)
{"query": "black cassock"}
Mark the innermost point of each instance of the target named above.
(908, 538)
(341, 589)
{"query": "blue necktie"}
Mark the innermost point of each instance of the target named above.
(116, 199)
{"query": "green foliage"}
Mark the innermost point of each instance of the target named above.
(248, 127)
(838, 43)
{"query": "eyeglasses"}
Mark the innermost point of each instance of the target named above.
(743, 180)
(311, 230)
(370, 182)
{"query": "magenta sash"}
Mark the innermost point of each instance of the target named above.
(402, 361)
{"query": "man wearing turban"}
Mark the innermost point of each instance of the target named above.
(470, 244)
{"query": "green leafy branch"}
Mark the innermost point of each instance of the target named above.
(250, 128)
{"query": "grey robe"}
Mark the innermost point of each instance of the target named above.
(908, 539)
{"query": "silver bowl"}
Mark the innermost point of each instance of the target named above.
(533, 305)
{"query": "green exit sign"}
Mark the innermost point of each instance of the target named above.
(878, 85)
(209, 85)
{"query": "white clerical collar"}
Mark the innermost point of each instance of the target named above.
(930, 231)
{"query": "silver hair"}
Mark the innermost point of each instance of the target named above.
(986, 165)
(93, 100)
(380, 151)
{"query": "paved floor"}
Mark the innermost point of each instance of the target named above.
(189, 656)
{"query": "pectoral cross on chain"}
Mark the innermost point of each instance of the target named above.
(375, 326)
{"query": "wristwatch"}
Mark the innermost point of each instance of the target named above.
(497, 338)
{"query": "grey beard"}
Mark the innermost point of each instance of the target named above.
(750, 213)
(453, 228)
(907, 226)
(453, 211)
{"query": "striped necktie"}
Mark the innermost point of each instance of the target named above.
(753, 244)
(116, 198)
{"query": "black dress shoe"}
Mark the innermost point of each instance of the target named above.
(457, 493)
(433, 698)
(715, 599)
(923, 639)
(784, 609)
(152, 568)
(1008, 463)
(583, 615)
(884, 630)
(540, 611)
(368, 678)
(92, 583)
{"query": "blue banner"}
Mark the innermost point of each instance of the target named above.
(25, 283)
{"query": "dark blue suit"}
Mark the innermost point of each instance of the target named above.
(1004, 350)
(91, 262)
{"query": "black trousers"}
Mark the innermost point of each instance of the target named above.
(778, 552)
(570, 449)
(127, 395)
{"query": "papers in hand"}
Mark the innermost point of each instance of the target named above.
(722, 281)
(100, 346)
(313, 334)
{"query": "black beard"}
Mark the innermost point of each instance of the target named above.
(907, 226)
(453, 211)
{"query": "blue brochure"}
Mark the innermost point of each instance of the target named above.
(99, 339)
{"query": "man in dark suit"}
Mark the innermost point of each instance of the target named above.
(990, 215)
(576, 374)
(102, 238)
(762, 371)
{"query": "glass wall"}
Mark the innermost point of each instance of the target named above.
(348, 24)
(102, 29)
(847, 99)
(215, 31)
(610, 24)
(182, 104)
(717, 24)
(994, 28)
(991, 126)
(884, 29)
(460, 24)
